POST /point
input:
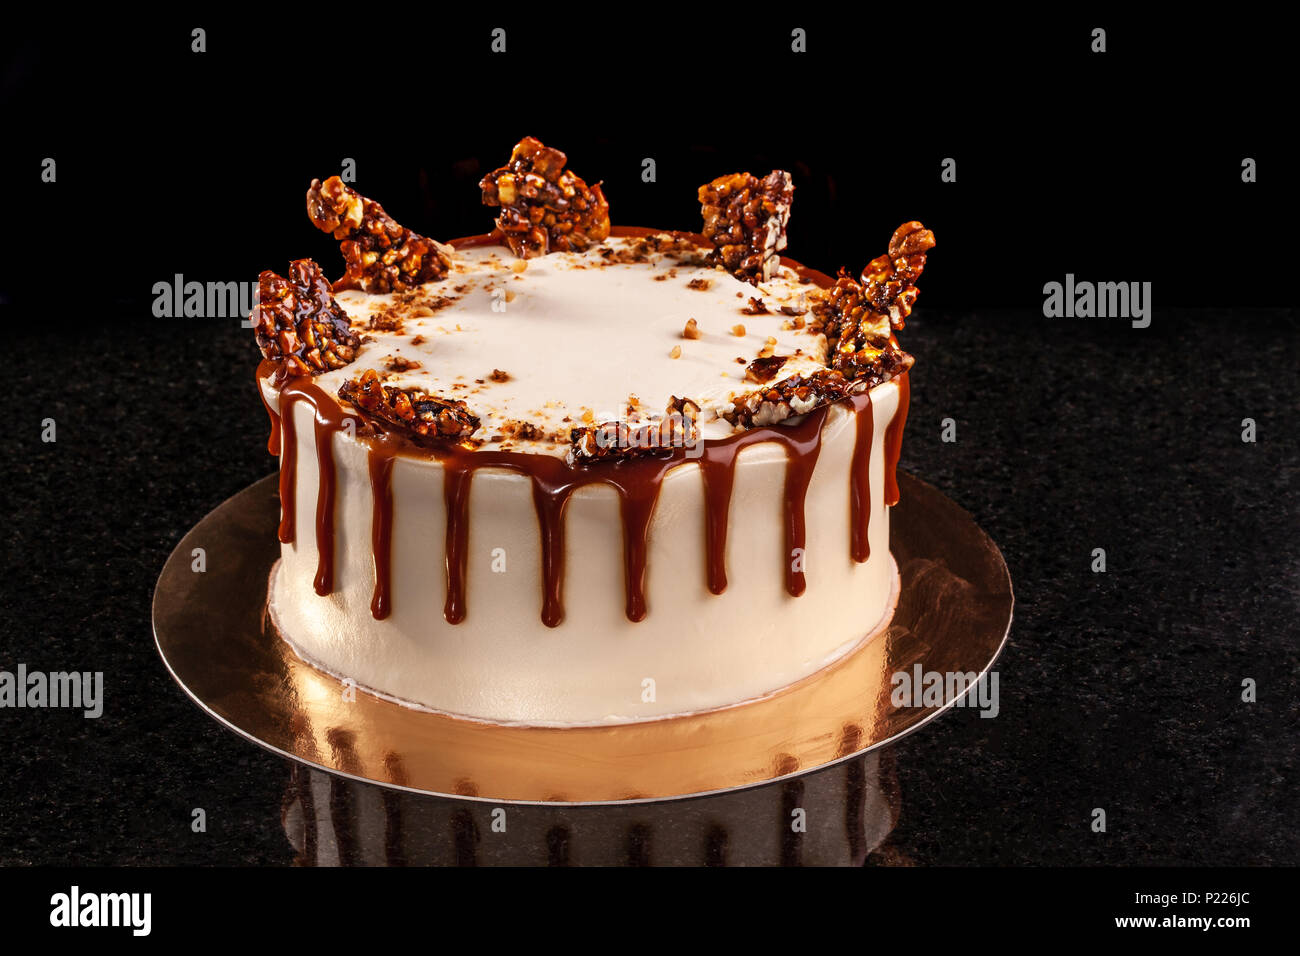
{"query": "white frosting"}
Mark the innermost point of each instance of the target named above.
(561, 339)
(577, 334)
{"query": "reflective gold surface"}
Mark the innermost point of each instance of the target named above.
(954, 609)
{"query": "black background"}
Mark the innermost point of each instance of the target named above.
(1118, 690)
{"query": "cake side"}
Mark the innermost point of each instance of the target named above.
(500, 662)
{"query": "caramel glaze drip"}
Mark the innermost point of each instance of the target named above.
(329, 418)
(894, 440)
(637, 482)
(860, 479)
(381, 530)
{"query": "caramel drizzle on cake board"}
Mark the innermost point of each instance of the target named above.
(637, 482)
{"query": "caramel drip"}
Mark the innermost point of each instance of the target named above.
(329, 419)
(380, 462)
(288, 471)
(803, 446)
(456, 478)
(894, 440)
(550, 504)
(860, 479)
(328, 482)
(273, 442)
(718, 470)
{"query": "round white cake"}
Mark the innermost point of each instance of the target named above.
(538, 347)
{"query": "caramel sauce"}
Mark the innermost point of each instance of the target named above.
(894, 440)
(381, 530)
(637, 481)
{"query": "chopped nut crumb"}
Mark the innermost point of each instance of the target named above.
(692, 330)
(738, 331)
(499, 376)
(676, 353)
(699, 284)
(396, 363)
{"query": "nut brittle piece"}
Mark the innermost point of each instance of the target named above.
(380, 254)
(299, 324)
(889, 281)
(796, 395)
(544, 207)
(745, 218)
(858, 338)
(619, 441)
(423, 418)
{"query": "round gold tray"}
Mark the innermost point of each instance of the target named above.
(211, 627)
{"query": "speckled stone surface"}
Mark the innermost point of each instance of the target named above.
(1119, 691)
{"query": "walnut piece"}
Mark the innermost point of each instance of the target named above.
(298, 323)
(423, 418)
(745, 218)
(380, 255)
(544, 207)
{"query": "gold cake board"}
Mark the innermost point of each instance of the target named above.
(212, 630)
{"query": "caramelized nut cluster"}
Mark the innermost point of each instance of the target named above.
(796, 395)
(619, 441)
(298, 323)
(423, 418)
(544, 207)
(745, 218)
(890, 280)
(858, 317)
(380, 254)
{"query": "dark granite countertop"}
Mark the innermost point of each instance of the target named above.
(1119, 690)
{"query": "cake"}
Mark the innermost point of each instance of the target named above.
(568, 473)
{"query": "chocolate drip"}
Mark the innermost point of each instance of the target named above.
(456, 476)
(894, 440)
(860, 479)
(380, 461)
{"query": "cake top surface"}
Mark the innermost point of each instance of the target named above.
(560, 334)
(539, 347)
